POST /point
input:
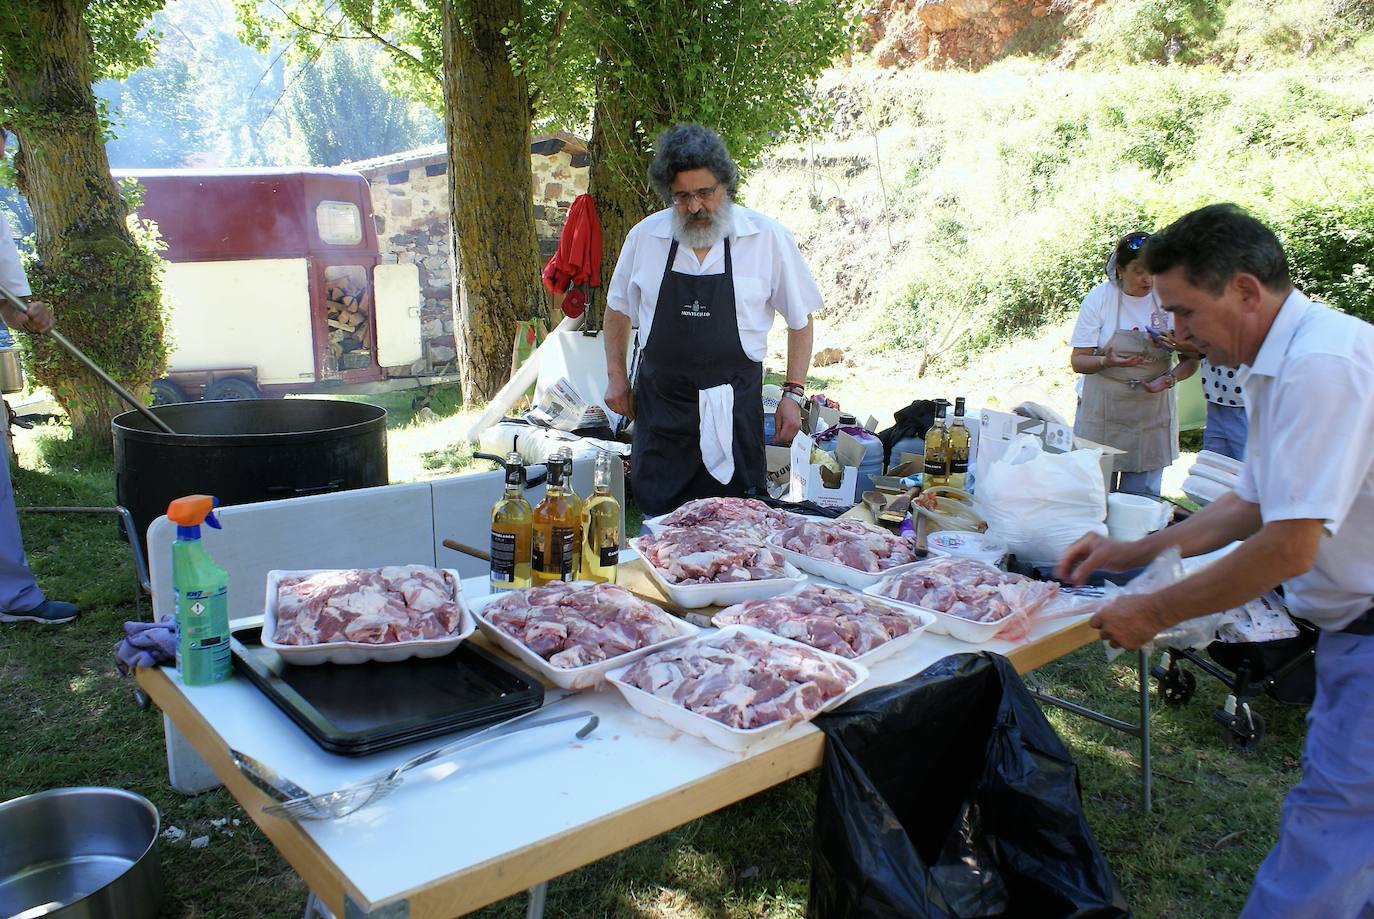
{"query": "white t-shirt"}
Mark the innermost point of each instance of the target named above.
(11, 272)
(1098, 318)
(1310, 456)
(770, 275)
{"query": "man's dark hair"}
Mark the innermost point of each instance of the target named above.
(1213, 244)
(690, 146)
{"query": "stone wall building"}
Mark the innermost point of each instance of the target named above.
(410, 208)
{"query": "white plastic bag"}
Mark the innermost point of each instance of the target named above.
(1038, 503)
(1166, 570)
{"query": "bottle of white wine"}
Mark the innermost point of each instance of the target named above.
(565, 454)
(601, 526)
(936, 468)
(554, 546)
(511, 522)
(958, 447)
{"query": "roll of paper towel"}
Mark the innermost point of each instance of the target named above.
(1132, 516)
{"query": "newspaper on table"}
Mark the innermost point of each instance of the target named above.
(562, 408)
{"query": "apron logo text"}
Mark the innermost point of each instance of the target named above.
(695, 310)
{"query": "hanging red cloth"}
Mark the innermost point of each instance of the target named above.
(577, 262)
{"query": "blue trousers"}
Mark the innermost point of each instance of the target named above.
(1226, 431)
(18, 590)
(1148, 482)
(1323, 864)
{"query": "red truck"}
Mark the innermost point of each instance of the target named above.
(274, 284)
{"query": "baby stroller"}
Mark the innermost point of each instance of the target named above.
(1282, 669)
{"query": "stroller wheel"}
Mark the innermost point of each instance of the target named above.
(1244, 727)
(1177, 686)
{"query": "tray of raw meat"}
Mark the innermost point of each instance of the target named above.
(844, 550)
(748, 518)
(847, 624)
(353, 615)
(971, 600)
(698, 567)
(737, 687)
(573, 633)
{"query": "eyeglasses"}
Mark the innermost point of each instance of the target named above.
(1136, 240)
(684, 198)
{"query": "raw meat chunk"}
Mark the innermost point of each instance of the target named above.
(745, 518)
(573, 625)
(852, 543)
(367, 605)
(968, 589)
(742, 682)
(701, 556)
(834, 620)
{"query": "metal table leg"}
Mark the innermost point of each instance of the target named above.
(1140, 730)
(534, 909)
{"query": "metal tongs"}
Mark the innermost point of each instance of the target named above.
(354, 797)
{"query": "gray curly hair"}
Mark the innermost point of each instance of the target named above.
(690, 146)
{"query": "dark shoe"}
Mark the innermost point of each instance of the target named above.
(49, 612)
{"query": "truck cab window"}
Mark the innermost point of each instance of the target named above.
(349, 315)
(339, 223)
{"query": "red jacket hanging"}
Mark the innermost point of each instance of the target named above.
(578, 258)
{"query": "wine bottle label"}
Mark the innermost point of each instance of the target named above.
(564, 542)
(539, 552)
(958, 465)
(609, 555)
(502, 557)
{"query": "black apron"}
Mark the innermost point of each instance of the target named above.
(693, 345)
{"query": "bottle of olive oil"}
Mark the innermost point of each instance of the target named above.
(565, 454)
(601, 526)
(512, 523)
(555, 531)
(936, 469)
(958, 447)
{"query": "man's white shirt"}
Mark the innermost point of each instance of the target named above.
(1310, 456)
(11, 271)
(771, 277)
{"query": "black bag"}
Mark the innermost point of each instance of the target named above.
(949, 796)
(912, 421)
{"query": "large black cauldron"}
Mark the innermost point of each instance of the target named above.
(246, 450)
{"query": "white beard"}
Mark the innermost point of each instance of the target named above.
(696, 234)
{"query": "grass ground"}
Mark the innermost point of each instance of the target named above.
(67, 719)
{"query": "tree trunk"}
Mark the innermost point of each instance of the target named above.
(100, 282)
(618, 178)
(490, 189)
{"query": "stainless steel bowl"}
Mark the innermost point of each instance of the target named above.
(79, 853)
(11, 371)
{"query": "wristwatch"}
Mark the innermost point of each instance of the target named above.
(795, 397)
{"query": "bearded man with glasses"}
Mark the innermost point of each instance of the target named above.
(702, 280)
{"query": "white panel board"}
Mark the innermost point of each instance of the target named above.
(398, 327)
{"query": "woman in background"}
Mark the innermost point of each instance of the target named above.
(1123, 347)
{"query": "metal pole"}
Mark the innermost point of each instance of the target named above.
(1145, 778)
(92, 366)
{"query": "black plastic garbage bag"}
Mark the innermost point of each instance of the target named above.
(949, 795)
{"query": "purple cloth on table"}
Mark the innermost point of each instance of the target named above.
(147, 644)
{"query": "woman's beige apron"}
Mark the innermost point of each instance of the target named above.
(1118, 412)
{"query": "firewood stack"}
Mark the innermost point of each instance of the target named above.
(349, 328)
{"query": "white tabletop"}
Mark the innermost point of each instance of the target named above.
(500, 798)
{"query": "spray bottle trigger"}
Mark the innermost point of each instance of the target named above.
(212, 521)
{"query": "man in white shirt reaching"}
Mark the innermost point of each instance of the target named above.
(1304, 511)
(702, 281)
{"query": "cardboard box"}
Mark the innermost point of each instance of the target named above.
(996, 430)
(804, 478)
(779, 460)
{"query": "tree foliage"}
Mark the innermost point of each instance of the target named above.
(99, 275)
(344, 112)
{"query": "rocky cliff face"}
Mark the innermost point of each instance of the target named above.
(957, 33)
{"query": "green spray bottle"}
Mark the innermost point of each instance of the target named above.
(202, 595)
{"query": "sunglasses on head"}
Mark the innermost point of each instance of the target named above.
(1136, 240)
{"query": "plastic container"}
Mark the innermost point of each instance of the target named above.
(201, 591)
(695, 596)
(358, 652)
(738, 740)
(1129, 517)
(919, 619)
(975, 633)
(569, 677)
(961, 544)
(872, 463)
